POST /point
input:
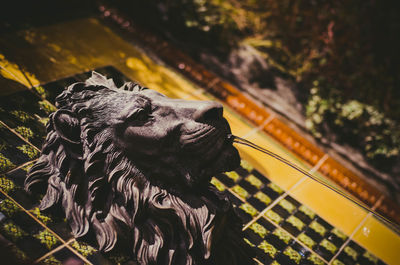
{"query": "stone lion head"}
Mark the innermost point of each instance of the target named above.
(131, 167)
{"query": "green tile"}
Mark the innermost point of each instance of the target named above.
(339, 233)
(8, 207)
(275, 188)
(292, 254)
(6, 184)
(306, 240)
(29, 150)
(13, 231)
(288, 206)
(24, 132)
(246, 165)
(282, 235)
(254, 181)
(314, 259)
(51, 260)
(262, 197)
(83, 248)
(369, 256)
(259, 229)
(337, 262)
(268, 248)
(5, 163)
(328, 245)
(296, 222)
(249, 209)
(47, 238)
(351, 252)
(218, 184)
(248, 242)
(307, 211)
(318, 228)
(39, 215)
(273, 216)
(233, 175)
(240, 191)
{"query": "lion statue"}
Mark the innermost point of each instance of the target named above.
(131, 167)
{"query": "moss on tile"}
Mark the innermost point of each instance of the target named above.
(306, 240)
(351, 252)
(273, 216)
(36, 212)
(248, 242)
(259, 229)
(337, 262)
(282, 235)
(328, 246)
(51, 260)
(29, 150)
(318, 228)
(240, 191)
(218, 184)
(370, 257)
(288, 206)
(13, 231)
(21, 115)
(41, 91)
(6, 184)
(47, 107)
(24, 132)
(339, 233)
(8, 207)
(246, 165)
(249, 209)
(233, 175)
(47, 238)
(275, 188)
(296, 222)
(307, 211)
(314, 259)
(254, 181)
(5, 163)
(83, 248)
(263, 197)
(292, 254)
(268, 248)
(19, 255)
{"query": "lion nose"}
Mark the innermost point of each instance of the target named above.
(208, 111)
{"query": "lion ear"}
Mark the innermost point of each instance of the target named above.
(100, 80)
(67, 126)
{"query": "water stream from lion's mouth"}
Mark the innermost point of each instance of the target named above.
(238, 140)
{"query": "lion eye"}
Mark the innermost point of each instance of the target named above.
(139, 115)
(142, 116)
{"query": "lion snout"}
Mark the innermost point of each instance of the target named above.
(208, 111)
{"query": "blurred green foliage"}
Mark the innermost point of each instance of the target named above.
(349, 48)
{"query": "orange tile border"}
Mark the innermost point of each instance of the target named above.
(255, 113)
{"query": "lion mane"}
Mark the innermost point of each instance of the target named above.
(106, 197)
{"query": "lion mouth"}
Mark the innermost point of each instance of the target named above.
(212, 149)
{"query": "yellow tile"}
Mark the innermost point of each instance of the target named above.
(334, 208)
(238, 126)
(379, 240)
(265, 141)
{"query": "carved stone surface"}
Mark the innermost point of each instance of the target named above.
(131, 168)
